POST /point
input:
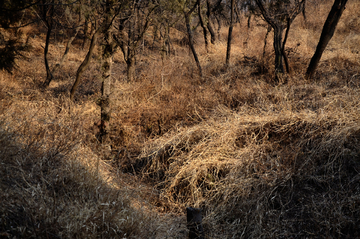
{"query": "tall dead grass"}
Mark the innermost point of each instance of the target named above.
(52, 183)
(261, 160)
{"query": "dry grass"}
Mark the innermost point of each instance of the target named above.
(261, 160)
(52, 183)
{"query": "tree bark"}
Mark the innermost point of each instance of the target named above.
(84, 64)
(326, 35)
(107, 54)
(228, 51)
(105, 103)
(279, 68)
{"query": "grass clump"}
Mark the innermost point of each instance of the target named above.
(272, 177)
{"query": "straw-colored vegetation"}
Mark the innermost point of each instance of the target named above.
(262, 160)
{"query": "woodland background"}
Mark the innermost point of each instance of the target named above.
(145, 116)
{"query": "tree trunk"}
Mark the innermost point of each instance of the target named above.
(279, 69)
(303, 11)
(219, 28)
(286, 59)
(202, 26)
(106, 87)
(209, 26)
(191, 39)
(264, 49)
(68, 46)
(86, 38)
(107, 54)
(212, 33)
(84, 65)
(326, 35)
(130, 68)
(49, 24)
(49, 75)
(228, 51)
(167, 40)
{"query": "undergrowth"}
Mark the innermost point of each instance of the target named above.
(262, 159)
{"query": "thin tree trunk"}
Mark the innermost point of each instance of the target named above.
(237, 11)
(228, 51)
(84, 64)
(167, 40)
(264, 48)
(49, 75)
(212, 32)
(249, 22)
(49, 24)
(286, 59)
(326, 35)
(303, 11)
(67, 49)
(191, 39)
(265, 40)
(202, 26)
(86, 38)
(219, 27)
(209, 26)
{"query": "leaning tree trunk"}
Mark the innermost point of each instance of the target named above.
(286, 59)
(84, 65)
(228, 50)
(209, 26)
(191, 39)
(86, 37)
(202, 25)
(326, 35)
(67, 49)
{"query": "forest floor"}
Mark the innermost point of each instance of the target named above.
(262, 159)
